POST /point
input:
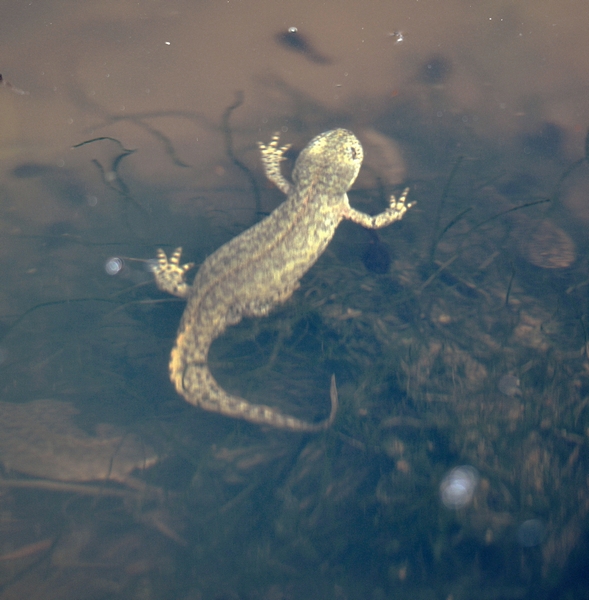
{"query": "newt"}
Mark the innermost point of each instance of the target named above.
(262, 267)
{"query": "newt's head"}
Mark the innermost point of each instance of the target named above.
(331, 160)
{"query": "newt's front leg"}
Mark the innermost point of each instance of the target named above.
(395, 212)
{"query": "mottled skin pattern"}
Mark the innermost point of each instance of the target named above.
(262, 267)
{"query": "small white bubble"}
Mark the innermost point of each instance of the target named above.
(113, 265)
(398, 36)
(509, 385)
(92, 200)
(458, 486)
(292, 30)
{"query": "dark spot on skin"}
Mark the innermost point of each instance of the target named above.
(295, 41)
(436, 70)
(376, 256)
(545, 142)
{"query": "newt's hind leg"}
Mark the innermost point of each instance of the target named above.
(170, 274)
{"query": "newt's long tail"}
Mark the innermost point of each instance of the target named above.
(198, 386)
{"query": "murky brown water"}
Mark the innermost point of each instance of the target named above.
(483, 109)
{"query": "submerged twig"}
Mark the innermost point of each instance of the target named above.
(441, 205)
(111, 176)
(226, 129)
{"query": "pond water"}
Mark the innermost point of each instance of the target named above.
(458, 336)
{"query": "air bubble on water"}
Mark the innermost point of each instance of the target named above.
(531, 533)
(509, 385)
(114, 265)
(458, 486)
